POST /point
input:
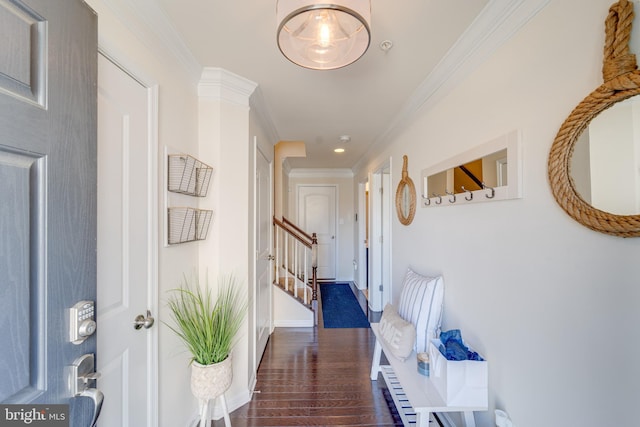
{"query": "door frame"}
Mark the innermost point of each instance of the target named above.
(255, 362)
(134, 71)
(336, 209)
(380, 226)
(361, 246)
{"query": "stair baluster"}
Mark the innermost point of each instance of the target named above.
(295, 251)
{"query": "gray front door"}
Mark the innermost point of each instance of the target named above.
(48, 74)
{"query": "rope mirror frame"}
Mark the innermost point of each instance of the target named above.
(621, 81)
(405, 181)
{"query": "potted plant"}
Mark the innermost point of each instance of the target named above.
(208, 330)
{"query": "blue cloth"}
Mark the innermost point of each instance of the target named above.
(453, 348)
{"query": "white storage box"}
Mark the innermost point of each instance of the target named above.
(459, 382)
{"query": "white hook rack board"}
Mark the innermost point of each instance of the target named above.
(508, 170)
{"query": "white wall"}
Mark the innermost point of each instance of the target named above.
(552, 305)
(288, 312)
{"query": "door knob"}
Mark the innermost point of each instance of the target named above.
(141, 321)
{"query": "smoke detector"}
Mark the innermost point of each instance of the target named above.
(344, 139)
(386, 45)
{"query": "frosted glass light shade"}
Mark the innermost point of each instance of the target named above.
(323, 36)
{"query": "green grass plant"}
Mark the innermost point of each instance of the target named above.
(208, 328)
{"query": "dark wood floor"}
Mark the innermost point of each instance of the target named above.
(316, 377)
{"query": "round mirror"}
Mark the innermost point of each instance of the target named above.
(572, 190)
(405, 196)
(605, 165)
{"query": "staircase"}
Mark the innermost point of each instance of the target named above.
(296, 254)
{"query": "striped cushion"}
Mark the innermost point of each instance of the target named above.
(421, 304)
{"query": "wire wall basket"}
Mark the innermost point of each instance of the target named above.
(188, 224)
(188, 175)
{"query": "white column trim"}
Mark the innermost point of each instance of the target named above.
(225, 86)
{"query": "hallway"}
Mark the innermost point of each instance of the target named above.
(316, 376)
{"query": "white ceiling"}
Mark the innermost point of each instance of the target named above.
(362, 100)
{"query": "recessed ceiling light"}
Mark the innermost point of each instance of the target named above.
(345, 138)
(339, 150)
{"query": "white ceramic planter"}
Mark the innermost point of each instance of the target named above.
(210, 381)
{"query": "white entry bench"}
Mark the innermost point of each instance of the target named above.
(415, 395)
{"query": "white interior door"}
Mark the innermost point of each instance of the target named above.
(363, 203)
(127, 253)
(380, 240)
(385, 264)
(264, 232)
(317, 214)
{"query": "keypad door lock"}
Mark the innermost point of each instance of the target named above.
(82, 322)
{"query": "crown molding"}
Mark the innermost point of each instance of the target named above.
(498, 22)
(320, 173)
(223, 85)
(150, 25)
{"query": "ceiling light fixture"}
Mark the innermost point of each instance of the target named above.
(339, 150)
(323, 36)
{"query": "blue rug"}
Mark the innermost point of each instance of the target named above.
(340, 308)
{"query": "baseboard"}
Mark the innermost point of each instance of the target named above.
(293, 323)
(252, 382)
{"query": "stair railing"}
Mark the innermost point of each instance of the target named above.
(296, 254)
